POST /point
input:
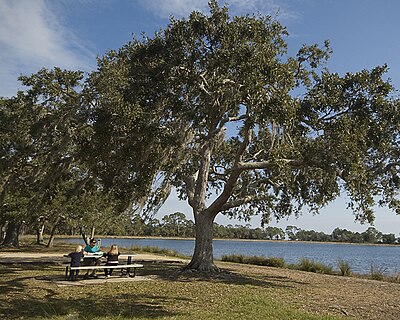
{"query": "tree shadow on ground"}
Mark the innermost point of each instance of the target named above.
(22, 295)
(12, 282)
(125, 306)
(25, 284)
(175, 272)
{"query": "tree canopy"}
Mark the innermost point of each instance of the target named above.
(215, 107)
(239, 127)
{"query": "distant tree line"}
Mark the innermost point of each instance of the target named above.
(177, 225)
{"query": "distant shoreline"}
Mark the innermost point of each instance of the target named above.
(224, 239)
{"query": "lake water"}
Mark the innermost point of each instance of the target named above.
(360, 257)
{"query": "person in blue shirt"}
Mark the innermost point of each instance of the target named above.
(91, 248)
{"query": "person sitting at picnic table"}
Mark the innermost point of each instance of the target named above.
(112, 259)
(91, 261)
(76, 257)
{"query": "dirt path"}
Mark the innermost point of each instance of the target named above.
(30, 257)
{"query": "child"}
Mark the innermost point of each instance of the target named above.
(75, 261)
(112, 259)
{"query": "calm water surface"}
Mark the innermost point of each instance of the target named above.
(360, 257)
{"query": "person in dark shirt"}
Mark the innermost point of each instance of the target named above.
(112, 259)
(76, 257)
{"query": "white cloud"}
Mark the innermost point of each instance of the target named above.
(32, 37)
(267, 7)
(182, 8)
(177, 8)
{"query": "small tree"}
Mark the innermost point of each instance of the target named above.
(274, 233)
(214, 107)
(291, 232)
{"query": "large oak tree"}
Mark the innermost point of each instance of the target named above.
(215, 107)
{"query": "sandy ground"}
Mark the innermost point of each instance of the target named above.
(28, 257)
(352, 297)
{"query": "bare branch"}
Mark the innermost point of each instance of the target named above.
(239, 202)
(232, 119)
(215, 207)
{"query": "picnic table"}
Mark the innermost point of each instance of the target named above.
(128, 269)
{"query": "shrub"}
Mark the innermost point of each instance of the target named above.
(344, 268)
(157, 250)
(237, 258)
(312, 266)
(394, 278)
(255, 260)
(377, 273)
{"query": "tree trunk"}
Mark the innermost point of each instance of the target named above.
(39, 234)
(53, 231)
(202, 259)
(12, 235)
(84, 235)
(92, 231)
(2, 233)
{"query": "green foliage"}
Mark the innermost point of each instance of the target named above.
(255, 260)
(305, 264)
(308, 265)
(40, 133)
(377, 273)
(344, 268)
(213, 106)
(207, 106)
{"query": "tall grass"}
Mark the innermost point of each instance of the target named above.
(308, 265)
(377, 273)
(255, 260)
(304, 264)
(344, 268)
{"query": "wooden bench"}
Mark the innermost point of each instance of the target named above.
(126, 267)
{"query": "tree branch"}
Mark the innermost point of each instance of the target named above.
(239, 202)
(190, 188)
(268, 164)
(216, 206)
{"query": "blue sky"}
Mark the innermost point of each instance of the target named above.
(70, 34)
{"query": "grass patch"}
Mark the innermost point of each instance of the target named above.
(255, 260)
(308, 265)
(171, 295)
(344, 268)
(304, 264)
(30, 291)
(393, 278)
(377, 273)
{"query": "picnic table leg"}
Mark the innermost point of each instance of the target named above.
(128, 270)
(66, 271)
(129, 274)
